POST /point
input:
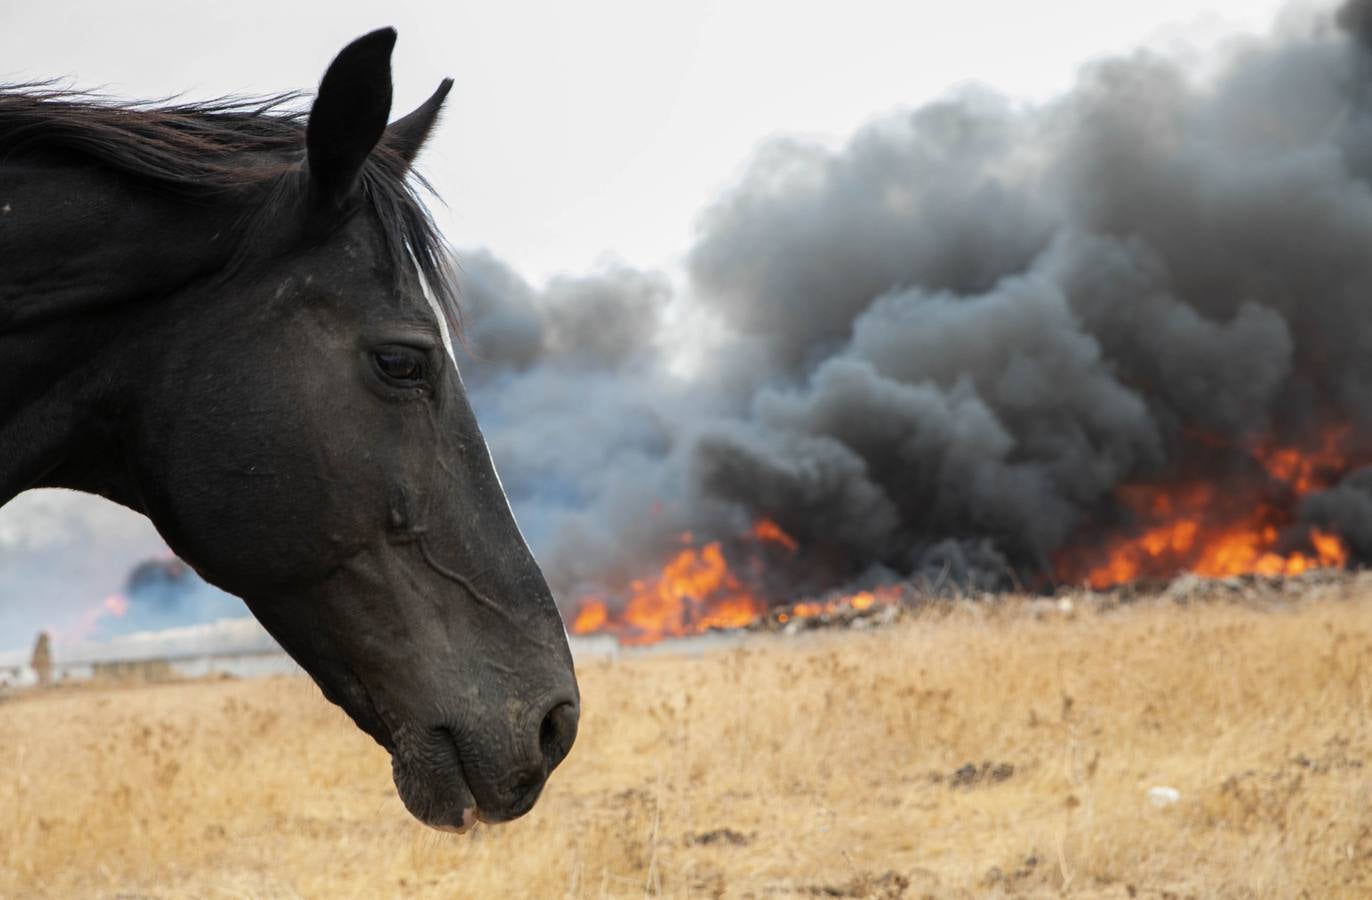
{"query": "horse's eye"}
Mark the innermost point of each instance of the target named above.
(399, 364)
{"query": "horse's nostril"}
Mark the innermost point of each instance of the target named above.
(556, 734)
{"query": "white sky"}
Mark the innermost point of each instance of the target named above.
(602, 127)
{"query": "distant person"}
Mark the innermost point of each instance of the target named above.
(42, 659)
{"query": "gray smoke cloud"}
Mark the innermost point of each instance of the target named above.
(946, 344)
(599, 322)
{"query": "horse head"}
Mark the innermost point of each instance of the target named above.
(292, 420)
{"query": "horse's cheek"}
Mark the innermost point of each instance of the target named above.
(257, 497)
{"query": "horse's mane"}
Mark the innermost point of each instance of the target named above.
(206, 148)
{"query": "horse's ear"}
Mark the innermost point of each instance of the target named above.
(406, 135)
(349, 115)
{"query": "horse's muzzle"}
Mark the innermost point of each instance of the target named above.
(453, 775)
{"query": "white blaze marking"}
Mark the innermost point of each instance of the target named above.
(442, 324)
(437, 311)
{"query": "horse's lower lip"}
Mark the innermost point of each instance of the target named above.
(431, 785)
(469, 818)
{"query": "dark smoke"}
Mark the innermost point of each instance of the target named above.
(1345, 509)
(166, 593)
(1355, 17)
(943, 346)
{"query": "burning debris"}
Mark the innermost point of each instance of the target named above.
(994, 347)
(1242, 514)
(698, 591)
(682, 601)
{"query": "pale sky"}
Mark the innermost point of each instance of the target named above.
(583, 130)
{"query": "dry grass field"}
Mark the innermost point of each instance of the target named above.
(988, 751)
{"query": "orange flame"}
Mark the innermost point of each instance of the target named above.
(1218, 530)
(768, 531)
(591, 617)
(696, 591)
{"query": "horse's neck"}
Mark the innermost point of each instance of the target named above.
(77, 238)
(79, 248)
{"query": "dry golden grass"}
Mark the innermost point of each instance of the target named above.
(814, 766)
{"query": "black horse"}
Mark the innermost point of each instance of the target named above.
(233, 319)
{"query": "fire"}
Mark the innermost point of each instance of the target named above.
(592, 616)
(697, 591)
(767, 530)
(694, 592)
(1240, 517)
(1219, 529)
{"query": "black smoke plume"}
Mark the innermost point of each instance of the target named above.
(946, 344)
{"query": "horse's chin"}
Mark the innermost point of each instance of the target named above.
(430, 783)
(425, 762)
